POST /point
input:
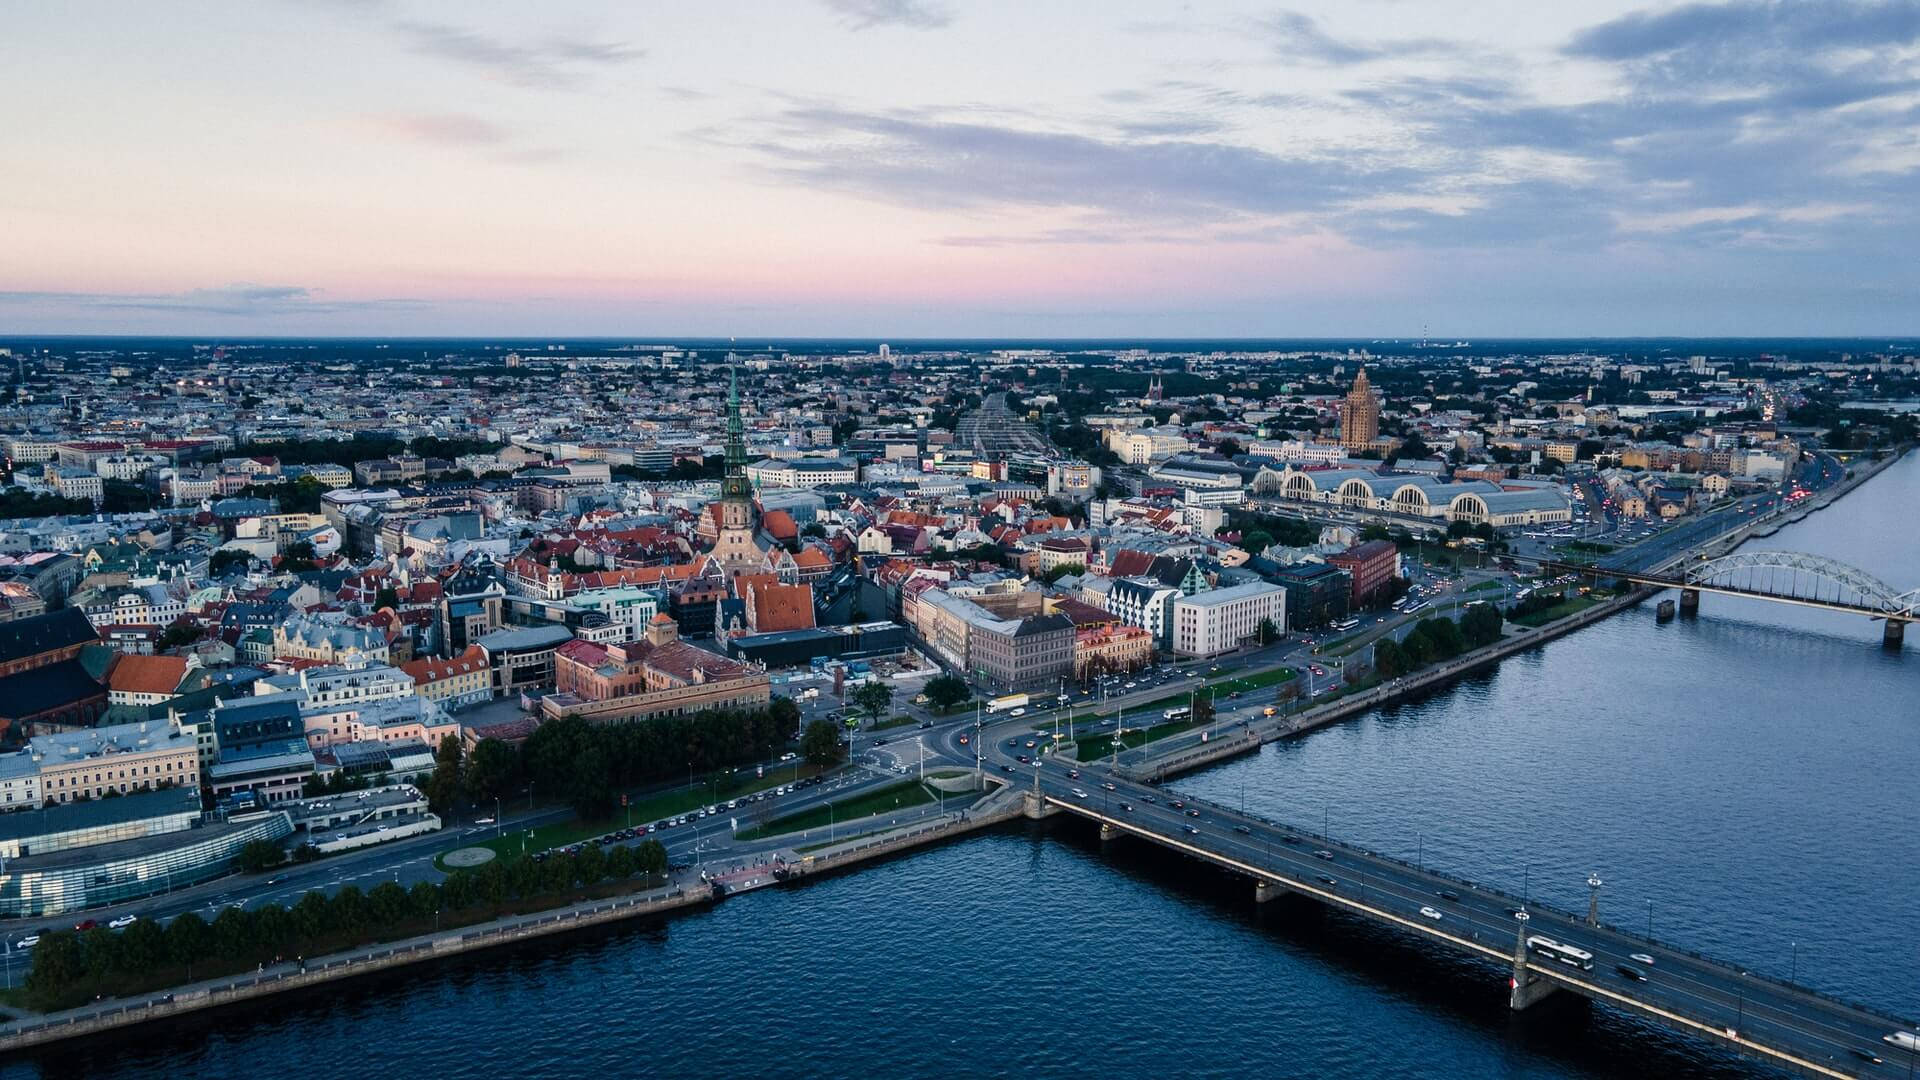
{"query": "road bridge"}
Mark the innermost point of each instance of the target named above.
(1786, 1024)
(1786, 577)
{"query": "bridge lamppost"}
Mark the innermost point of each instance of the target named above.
(1593, 898)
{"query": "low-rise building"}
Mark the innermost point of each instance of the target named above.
(1221, 620)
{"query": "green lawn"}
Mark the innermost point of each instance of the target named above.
(1485, 586)
(716, 788)
(1091, 747)
(892, 797)
(892, 722)
(1257, 681)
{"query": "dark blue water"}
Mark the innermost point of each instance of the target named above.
(1749, 772)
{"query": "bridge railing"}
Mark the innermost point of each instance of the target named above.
(1500, 894)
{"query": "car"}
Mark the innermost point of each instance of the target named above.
(1323, 853)
(1430, 913)
(1193, 811)
(1148, 798)
(1641, 958)
(1079, 793)
(1289, 839)
(1108, 786)
(1127, 806)
(1073, 774)
(1867, 1056)
(880, 741)
(964, 740)
(1024, 759)
(1013, 744)
(1031, 744)
(483, 821)
(925, 724)
(1177, 804)
(86, 924)
(1325, 880)
(1019, 712)
(1006, 768)
(1448, 895)
(1242, 829)
(1191, 831)
(27, 942)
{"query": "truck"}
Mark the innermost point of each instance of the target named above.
(1002, 704)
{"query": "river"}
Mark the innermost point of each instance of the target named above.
(1744, 780)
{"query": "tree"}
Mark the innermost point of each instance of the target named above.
(143, 945)
(386, 597)
(189, 938)
(873, 698)
(233, 933)
(388, 904)
(1255, 541)
(443, 787)
(221, 561)
(820, 744)
(1267, 632)
(651, 857)
(947, 691)
(620, 861)
(57, 964)
(1202, 707)
(1481, 625)
(590, 865)
(492, 769)
(183, 632)
(258, 855)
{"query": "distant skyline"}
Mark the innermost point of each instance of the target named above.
(919, 168)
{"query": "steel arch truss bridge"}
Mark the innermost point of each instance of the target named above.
(1793, 577)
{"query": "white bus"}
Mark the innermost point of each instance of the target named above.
(1345, 625)
(1181, 713)
(1546, 948)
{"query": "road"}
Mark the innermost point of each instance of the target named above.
(1670, 985)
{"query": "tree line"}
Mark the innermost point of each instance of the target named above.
(72, 967)
(1435, 639)
(591, 763)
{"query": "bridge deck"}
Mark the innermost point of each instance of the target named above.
(1788, 1024)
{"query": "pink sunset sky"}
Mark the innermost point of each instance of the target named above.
(914, 167)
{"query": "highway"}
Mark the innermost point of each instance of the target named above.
(1683, 991)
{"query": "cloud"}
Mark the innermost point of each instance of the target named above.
(930, 159)
(550, 64)
(446, 129)
(240, 299)
(909, 14)
(1298, 37)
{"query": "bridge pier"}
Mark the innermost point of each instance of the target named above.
(1664, 610)
(1689, 601)
(1525, 989)
(1263, 891)
(1108, 832)
(1894, 633)
(1035, 807)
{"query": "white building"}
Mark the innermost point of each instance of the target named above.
(803, 472)
(1221, 620)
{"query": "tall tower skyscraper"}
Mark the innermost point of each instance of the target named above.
(1360, 415)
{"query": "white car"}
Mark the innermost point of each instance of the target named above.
(1430, 913)
(27, 942)
(1079, 794)
(1641, 958)
(123, 922)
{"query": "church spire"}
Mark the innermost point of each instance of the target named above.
(735, 485)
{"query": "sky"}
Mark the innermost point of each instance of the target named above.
(906, 168)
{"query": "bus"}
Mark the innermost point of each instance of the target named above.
(1546, 948)
(1010, 701)
(1183, 712)
(1345, 625)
